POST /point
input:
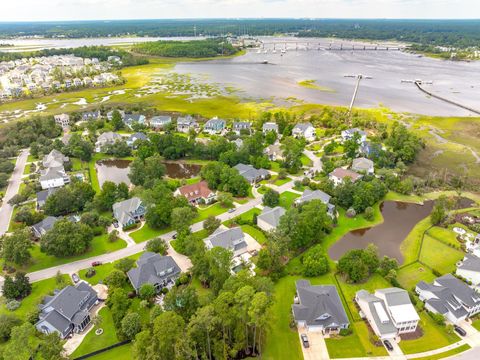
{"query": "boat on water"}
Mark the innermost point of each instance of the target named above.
(284, 51)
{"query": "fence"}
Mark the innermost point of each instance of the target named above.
(96, 352)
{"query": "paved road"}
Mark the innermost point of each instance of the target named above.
(12, 189)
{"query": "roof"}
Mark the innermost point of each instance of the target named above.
(186, 121)
(309, 195)
(362, 164)
(215, 122)
(54, 159)
(162, 119)
(133, 117)
(380, 316)
(44, 194)
(274, 149)
(250, 173)
(342, 173)
(350, 132)
(153, 269)
(45, 225)
(302, 127)
(470, 262)
(122, 210)
(138, 136)
(231, 239)
(319, 305)
(194, 191)
(399, 304)
(270, 126)
(272, 216)
(52, 173)
(108, 136)
(241, 125)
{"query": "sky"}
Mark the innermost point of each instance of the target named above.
(42, 10)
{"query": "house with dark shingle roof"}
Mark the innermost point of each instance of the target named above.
(160, 122)
(67, 311)
(43, 195)
(469, 269)
(128, 212)
(39, 229)
(130, 119)
(238, 126)
(449, 297)
(159, 271)
(251, 174)
(139, 136)
(309, 195)
(269, 219)
(319, 308)
(231, 239)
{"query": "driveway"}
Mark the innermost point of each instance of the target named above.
(13, 186)
(318, 349)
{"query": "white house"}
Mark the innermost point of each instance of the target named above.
(400, 309)
(304, 130)
(63, 120)
(53, 177)
(106, 138)
(469, 269)
(269, 126)
(339, 175)
(349, 133)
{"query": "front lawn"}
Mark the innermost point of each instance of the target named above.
(257, 234)
(476, 324)
(305, 160)
(434, 337)
(439, 256)
(287, 199)
(147, 233)
(39, 290)
(99, 245)
(92, 341)
(211, 210)
(102, 271)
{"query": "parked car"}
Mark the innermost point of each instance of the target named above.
(459, 330)
(257, 186)
(305, 342)
(174, 236)
(96, 263)
(75, 278)
(115, 225)
(232, 210)
(388, 345)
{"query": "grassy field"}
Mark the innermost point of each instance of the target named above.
(434, 337)
(93, 342)
(446, 354)
(255, 233)
(410, 275)
(287, 198)
(439, 256)
(446, 236)
(102, 271)
(147, 233)
(410, 247)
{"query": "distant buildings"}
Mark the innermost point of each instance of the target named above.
(274, 152)
(129, 211)
(215, 126)
(318, 308)
(269, 126)
(239, 126)
(130, 119)
(185, 124)
(231, 239)
(348, 135)
(363, 165)
(132, 139)
(309, 195)
(91, 115)
(63, 120)
(160, 122)
(106, 138)
(251, 174)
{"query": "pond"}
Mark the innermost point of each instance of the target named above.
(399, 220)
(181, 170)
(114, 170)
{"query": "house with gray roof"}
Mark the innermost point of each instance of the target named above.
(274, 152)
(106, 138)
(54, 159)
(159, 271)
(39, 229)
(43, 195)
(349, 133)
(269, 126)
(469, 269)
(215, 125)
(400, 308)
(128, 212)
(304, 130)
(130, 119)
(251, 174)
(139, 136)
(450, 297)
(363, 165)
(373, 309)
(184, 124)
(238, 143)
(159, 122)
(91, 115)
(309, 195)
(67, 311)
(238, 126)
(319, 308)
(231, 239)
(53, 177)
(269, 219)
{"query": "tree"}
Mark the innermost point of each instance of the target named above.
(292, 153)
(131, 325)
(167, 328)
(183, 300)
(119, 303)
(113, 236)
(18, 287)
(51, 348)
(78, 148)
(66, 238)
(107, 196)
(225, 199)
(352, 146)
(22, 344)
(147, 291)
(259, 315)
(211, 224)
(358, 264)
(438, 214)
(315, 262)
(16, 247)
(125, 264)
(145, 172)
(386, 265)
(271, 198)
(270, 257)
(182, 217)
(7, 323)
(117, 121)
(115, 279)
(157, 245)
(270, 137)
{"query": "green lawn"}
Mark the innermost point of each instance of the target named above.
(211, 210)
(99, 245)
(123, 352)
(287, 198)
(274, 166)
(77, 164)
(305, 160)
(257, 234)
(446, 236)
(410, 246)
(446, 354)
(410, 275)
(27, 169)
(476, 324)
(439, 256)
(147, 233)
(93, 342)
(193, 180)
(39, 290)
(248, 215)
(280, 182)
(434, 337)
(102, 271)
(31, 158)
(394, 196)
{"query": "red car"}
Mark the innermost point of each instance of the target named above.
(96, 263)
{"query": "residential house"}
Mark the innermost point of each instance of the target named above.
(215, 125)
(198, 193)
(130, 119)
(53, 177)
(139, 136)
(106, 138)
(304, 130)
(238, 143)
(251, 174)
(155, 269)
(469, 269)
(63, 120)
(160, 122)
(363, 165)
(269, 219)
(274, 152)
(43, 195)
(349, 133)
(54, 159)
(449, 297)
(339, 175)
(110, 114)
(239, 126)
(318, 308)
(68, 310)
(231, 239)
(185, 124)
(91, 115)
(309, 195)
(374, 310)
(400, 308)
(269, 126)
(39, 229)
(129, 211)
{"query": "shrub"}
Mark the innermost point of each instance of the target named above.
(13, 305)
(351, 213)
(369, 214)
(315, 262)
(90, 273)
(157, 245)
(113, 236)
(439, 319)
(346, 332)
